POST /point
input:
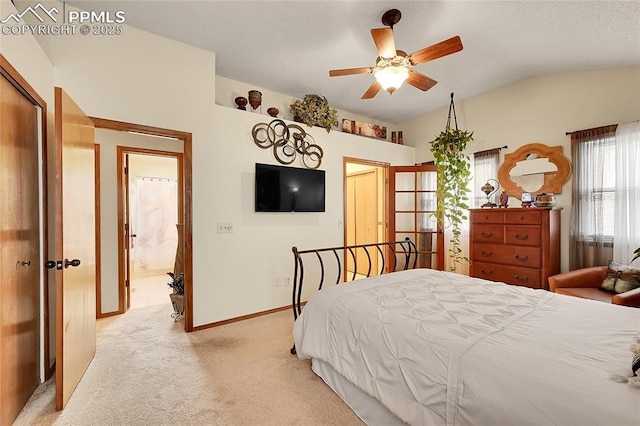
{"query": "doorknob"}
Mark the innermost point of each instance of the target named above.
(50, 264)
(74, 262)
(26, 262)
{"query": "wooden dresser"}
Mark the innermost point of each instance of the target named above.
(515, 245)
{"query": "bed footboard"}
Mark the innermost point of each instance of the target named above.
(349, 263)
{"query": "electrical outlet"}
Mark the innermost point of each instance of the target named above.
(287, 281)
(279, 282)
(225, 228)
(340, 224)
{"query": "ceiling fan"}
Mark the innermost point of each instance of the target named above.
(393, 66)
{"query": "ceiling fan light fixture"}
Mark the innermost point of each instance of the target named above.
(391, 77)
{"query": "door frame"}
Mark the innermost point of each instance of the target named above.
(14, 77)
(187, 201)
(123, 201)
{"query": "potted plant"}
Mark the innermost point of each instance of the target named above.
(636, 254)
(454, 176)
(314, 110)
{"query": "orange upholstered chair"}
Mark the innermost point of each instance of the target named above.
(586, 283)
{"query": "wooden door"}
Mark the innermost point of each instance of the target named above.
(362, 219)
(19, 252)
(75, 245)
(412, 201)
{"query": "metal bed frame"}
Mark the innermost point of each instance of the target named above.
(387, 251)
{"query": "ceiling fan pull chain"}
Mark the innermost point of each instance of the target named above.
(452, 107)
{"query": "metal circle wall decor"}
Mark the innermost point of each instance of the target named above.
(287, 141)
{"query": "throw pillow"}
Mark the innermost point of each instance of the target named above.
(620, 278)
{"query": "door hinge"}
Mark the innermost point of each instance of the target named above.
(126, 283)
(126, 170)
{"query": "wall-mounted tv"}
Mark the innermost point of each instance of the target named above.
(289, 189)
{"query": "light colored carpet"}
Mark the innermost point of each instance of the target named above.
(148, 371)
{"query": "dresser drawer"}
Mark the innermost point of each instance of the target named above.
(510, 255)
(509, 274)
(522, 235)
(526, 218)
(487, 217)
(488, 234)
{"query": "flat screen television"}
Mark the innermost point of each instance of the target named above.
(289, 189)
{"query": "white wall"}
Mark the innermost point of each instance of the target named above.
(108, 141)
(538, 109)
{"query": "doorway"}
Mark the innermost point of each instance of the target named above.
(150, 216)
(365, 215)
(185, 216)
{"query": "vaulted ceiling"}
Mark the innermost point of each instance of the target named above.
(289, 46)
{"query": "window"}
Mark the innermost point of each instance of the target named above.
(593, 203)
(597, 188)
(484, 167)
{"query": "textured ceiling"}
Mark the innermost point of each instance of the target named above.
(289, 46)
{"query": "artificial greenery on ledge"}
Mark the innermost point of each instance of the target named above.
(314, 110)
(454, 176)
(636, 254)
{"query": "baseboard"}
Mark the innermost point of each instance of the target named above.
(242, 318)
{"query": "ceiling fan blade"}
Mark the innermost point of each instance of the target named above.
(420, 81)
(383, 38)
(372, 90)
(438, 50)
(350, 71)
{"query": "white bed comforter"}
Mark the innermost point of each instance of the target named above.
(440, 348)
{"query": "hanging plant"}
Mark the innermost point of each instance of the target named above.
(454, 176)
(314, 110)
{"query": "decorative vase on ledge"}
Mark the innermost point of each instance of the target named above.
(255, 99)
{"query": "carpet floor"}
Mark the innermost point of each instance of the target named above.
(148, 371)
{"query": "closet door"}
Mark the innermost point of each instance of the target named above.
(19, 251)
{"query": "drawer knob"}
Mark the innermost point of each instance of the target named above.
(521, 217)
(486, 253)
(489, 272)
(522, 258)
(522, 236)
(486, 218)
(487, 234)
(524, 279)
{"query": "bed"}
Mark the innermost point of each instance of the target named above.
(427, 347)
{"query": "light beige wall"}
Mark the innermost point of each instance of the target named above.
(146, 79)
(538, 109)
(109, 140)
(243, 266)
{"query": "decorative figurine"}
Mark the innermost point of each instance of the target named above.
(504, 199)
(273, 111)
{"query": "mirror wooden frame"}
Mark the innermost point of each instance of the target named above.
(552, 181)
